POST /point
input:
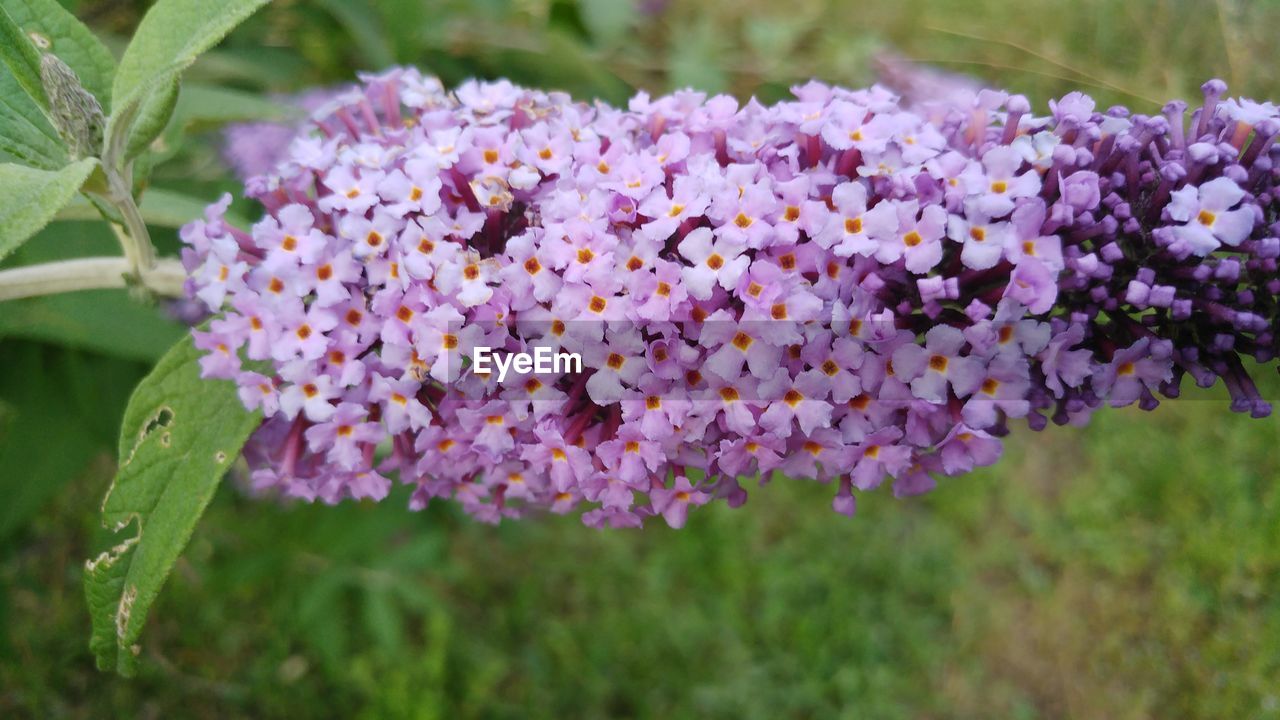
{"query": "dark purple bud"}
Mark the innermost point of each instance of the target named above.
(1136, 294)
(1203, 153)
(1080, 190)
(1228, 270)
(1148, 402)
(1264, 135)
(1175, 113)
(1111, 252)
(1213, 91)
(1162, 296)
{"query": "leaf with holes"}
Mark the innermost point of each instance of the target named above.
(180, 434)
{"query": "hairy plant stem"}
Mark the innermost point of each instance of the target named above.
(164, 278)
(138, 269)
(135, 240)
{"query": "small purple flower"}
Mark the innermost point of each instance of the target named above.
(845, 233)
(902, 229)
(1208, 218)
(803, 401)
(1132, 371)
(1001, 185)
(937, 365)
(984, 240)
(673, 503)
(344, 436)
(735, 344)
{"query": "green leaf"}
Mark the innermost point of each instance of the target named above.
(154, 116)
(21, 57)
(27, 136)
(70, 40)
(29, 198)
(180, 434)
(170, 37)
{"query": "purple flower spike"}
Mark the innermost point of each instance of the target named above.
(832, 287)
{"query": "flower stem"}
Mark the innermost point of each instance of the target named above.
(138, 269)
(135, 239)
(164, 277)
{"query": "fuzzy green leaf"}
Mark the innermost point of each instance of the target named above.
(26, 135)
(170, 37)
(21, 57)
(29, 198)
(153, 117)
(70, 40)
(180, 434)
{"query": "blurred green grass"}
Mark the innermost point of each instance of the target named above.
(1130, 569)
(1124, 570)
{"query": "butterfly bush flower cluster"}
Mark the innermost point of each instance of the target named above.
(829, 288)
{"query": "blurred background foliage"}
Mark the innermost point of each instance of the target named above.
(1130, 569)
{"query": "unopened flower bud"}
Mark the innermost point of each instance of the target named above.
(76, 113)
